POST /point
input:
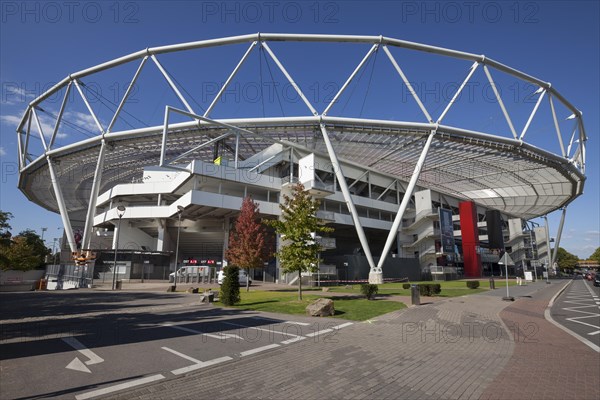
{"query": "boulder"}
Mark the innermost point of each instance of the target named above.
(320, 308)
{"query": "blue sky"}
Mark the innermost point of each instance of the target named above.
(556, 41)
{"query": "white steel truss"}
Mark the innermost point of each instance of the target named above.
(495, 155)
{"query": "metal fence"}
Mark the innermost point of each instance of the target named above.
(67, 276)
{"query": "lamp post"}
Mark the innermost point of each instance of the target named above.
(179, 212)
(54, 250)
(120, 212)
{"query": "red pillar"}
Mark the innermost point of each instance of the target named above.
(470, 238)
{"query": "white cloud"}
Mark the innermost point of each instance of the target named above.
(13, 94)
(10, 119)
(83, 120)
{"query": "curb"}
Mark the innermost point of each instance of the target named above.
(570, 332)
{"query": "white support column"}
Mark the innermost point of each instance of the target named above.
(558, 236)
(172, 85)
(60, 114)
(20, 148)
(407, 83)
(499, 98)
(289, 78)
(337, 167)
(126, 95)
(458, 92)
(350, 78)
(27, 136)
(89, 107)
(89, 219)
(558, 134)
(64, 215)
(228, 81)
(404, 204)
(549, 252)
(39, 127)
(542, 92)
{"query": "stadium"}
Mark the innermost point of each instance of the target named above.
(410, 194)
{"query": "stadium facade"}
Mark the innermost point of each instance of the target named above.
(406, 198)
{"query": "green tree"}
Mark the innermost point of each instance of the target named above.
(230, 288)
(4, 225)
(5, 239)
(20, 255)
(37, 245)
(566, 260)
(298, 223)
(596, 255)
(247, 240)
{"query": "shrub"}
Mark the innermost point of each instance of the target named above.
(424, 289)
(406, 286)
(472, 284)
(369, 290)
(230, 288)
(429, 289)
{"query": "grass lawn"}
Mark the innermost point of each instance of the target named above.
(287, 302)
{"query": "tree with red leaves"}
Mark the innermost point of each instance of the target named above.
(247, 240)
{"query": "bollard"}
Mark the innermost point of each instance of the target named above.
(415, 295)
(492, 283)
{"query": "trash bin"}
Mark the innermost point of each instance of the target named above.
(492, 283)
(415, 295)
(118, 285)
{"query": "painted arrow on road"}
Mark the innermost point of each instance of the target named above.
(77, 364)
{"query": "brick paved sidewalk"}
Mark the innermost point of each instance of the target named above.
(547, 363)
(458, 348)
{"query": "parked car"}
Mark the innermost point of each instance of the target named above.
(597, 280)
(242, 276)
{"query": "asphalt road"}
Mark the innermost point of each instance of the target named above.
(578, 309)
(87, 344)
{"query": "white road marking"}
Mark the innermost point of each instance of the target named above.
(203, 364)
(77, 365)
(593, 333)
(182, 355)
(219, 335)
(121, 386)
(343, 325)
(197, 363)
(319, 332)
(297, 323)
(77, 345)
(296, 339)
(261, 329)
(258, 349)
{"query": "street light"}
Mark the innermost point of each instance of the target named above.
(120, 212)
(54, 249)
(179, 212)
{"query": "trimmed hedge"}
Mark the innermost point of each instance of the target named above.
(406, 286)
(472, 284)
(429, 289)
(369, 290)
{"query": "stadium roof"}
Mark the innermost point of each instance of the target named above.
(503, 172)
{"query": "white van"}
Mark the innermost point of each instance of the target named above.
(191, 270)
(242, 276)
